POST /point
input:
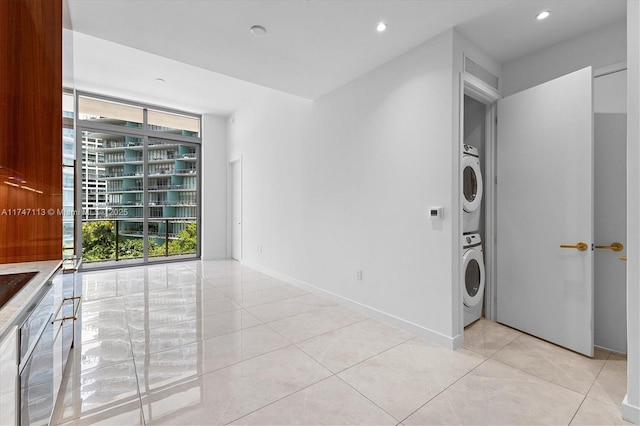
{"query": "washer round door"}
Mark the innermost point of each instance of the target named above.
(471, 183)
(473, 270)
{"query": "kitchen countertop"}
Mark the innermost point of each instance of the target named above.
(11, 311)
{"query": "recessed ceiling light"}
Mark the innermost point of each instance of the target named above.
(543, 15)
(381, 27)
(258, 31)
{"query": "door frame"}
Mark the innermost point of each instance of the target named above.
(601, 72)
(230, 198)
(472, 86)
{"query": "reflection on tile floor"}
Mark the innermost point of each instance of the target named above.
(214, 342)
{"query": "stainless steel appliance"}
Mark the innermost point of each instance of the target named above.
(45, 337)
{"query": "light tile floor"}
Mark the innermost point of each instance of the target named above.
(214, 342)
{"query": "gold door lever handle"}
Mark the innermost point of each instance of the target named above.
(624, 258)
(613, 246)
(580, 246)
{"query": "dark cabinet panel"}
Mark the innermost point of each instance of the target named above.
(30, 130)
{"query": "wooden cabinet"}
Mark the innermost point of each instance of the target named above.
(30, 130)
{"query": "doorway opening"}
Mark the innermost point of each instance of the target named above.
(236, 209)
(478, 130)
(608, 226)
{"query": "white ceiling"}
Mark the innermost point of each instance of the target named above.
(314, 46)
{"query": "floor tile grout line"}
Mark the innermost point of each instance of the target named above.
(326, 378)
(288, 316)
(135, 369)
(359, 362)
(313, 337)
(234, 286)
(577, 410)
(277, 300)
(443, 390)
(505, 345)
(196, 319)
(294, 297)
(211, 337)
(247, 309)
(71, 376)
(333, 374)
(228, 365)
(367, 398)
(543, 378)
(586, 395)
(247, 359)
(538, 377)
(199, 340)
(241, 286)
(77, 350)
(336, 374)
(296, 344)
(599, 372)
(281, 398)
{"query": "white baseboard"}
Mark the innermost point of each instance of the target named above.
(430, 335)
(630, 413)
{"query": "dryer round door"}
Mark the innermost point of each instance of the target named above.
(471, 183)
(473, 272)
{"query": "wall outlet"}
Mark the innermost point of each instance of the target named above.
(359, 274)
(259, 248)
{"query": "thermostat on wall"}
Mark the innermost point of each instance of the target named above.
(436, 213)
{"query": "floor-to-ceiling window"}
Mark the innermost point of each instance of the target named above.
(140, 182)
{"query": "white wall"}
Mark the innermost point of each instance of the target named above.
(598, 48)
(345, 183)
(67, 58)
(631, 406)
(214, 187)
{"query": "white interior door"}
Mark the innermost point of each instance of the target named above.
(545, 200)
(236, 210)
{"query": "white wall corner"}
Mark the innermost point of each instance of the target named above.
(213, 187)
(630, 413)
(321, 181)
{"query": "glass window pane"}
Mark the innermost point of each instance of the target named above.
(173, 123)
(112, 196)
(137, 186)
(108, 112)
(172, 177)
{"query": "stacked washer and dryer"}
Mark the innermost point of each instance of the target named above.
(472, 257)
